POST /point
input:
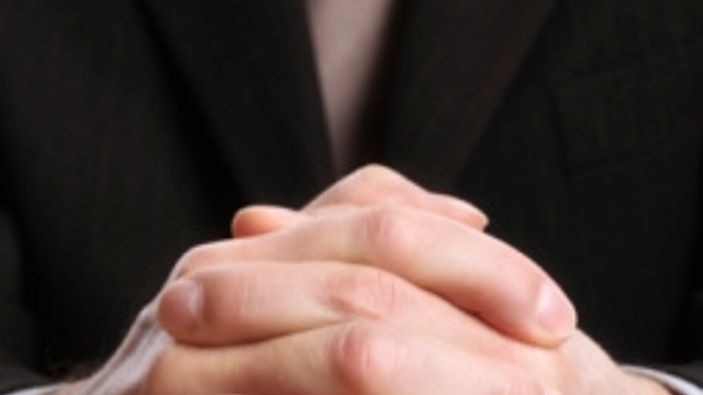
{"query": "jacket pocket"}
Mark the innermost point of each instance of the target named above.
(633, 111)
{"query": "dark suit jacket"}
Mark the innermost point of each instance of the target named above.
(132, 129)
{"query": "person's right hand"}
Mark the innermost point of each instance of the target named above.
(330, 306)
(149, 362)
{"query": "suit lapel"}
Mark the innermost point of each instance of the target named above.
(455, 59)
(250, 68)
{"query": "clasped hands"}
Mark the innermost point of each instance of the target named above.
(377, 287)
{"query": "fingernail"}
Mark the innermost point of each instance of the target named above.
(555, 314)
(476, 216)
(182, 304)
(483, 219)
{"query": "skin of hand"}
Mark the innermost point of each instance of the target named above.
(343, 329)
(366, 327)
(134, 363)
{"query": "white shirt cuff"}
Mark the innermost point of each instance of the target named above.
(674, 383)
(677, 384)
(34, 391)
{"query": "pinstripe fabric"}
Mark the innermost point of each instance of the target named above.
(131, 130)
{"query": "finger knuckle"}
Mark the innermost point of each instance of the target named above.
(364, 357)
(372, 183)
(362, 186)
(375, 173)
(368, 293)
(389, 234)
(196, 257)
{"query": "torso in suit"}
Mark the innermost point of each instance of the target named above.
(132, 130)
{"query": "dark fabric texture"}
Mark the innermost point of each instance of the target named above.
(131, 130)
